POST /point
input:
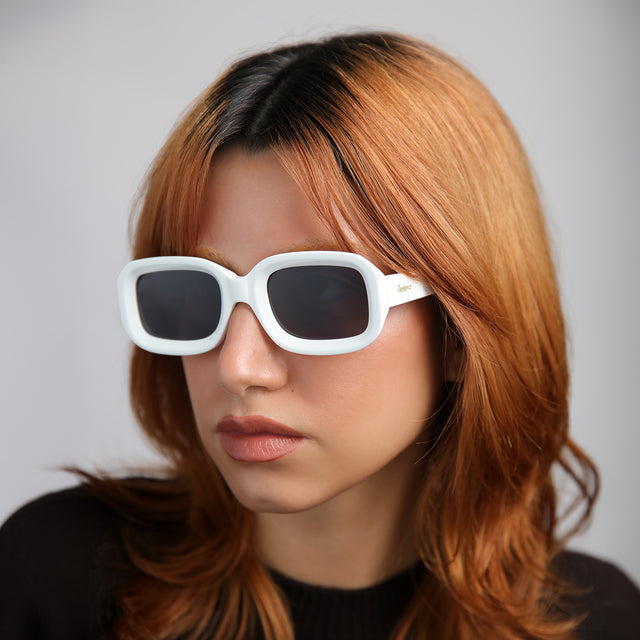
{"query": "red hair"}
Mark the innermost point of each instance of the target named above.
(398, 139)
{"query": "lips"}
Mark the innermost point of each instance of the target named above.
(256, 438)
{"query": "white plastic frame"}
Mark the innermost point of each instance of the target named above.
(383, 292)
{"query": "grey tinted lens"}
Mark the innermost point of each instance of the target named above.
(179, 305)
(319, 302)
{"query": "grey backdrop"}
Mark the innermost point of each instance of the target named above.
(88, 92)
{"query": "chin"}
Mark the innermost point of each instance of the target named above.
(260, 493)
(261, 502)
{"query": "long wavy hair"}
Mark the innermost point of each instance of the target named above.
(398, 139)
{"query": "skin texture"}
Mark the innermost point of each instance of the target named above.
(336, 511)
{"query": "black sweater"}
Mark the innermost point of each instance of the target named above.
(57, 581)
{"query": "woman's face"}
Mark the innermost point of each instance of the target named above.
(357, 419)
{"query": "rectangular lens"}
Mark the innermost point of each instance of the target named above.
(319, 302)
(179, 304)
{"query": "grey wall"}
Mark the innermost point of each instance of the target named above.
(89, 91)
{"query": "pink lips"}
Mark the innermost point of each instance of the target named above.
(256, 438)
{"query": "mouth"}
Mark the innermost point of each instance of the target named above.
(256, 438)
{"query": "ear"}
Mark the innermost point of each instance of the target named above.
(453, 347)
(453, 360)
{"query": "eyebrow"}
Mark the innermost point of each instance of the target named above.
(314, 245)
(209, 253)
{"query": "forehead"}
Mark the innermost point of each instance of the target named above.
(253, 208)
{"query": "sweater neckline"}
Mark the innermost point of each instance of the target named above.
(368, 613)
(410, 574)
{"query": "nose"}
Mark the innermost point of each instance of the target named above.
(247, 357)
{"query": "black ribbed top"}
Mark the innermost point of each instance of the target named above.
(321, 613)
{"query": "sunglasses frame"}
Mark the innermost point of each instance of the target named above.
(383, 292)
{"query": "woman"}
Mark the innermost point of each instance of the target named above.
(352, 353)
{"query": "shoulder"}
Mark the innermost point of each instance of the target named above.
(59, 561)
(601, 592)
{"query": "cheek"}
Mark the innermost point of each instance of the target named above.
(399, 378)
(200, 383)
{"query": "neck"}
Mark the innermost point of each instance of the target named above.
(354, 540)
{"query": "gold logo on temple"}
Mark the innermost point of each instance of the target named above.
(403, 288)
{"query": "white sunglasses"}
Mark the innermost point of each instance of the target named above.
(308, 302)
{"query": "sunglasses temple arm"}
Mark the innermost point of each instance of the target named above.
(402, 288)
